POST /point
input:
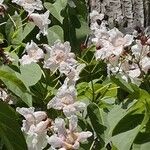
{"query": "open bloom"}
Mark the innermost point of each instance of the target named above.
(119, 41)
(58, 54)
(35, 127)
(29, 5)
(65, 100)
(42, 21)
(67, 139)
(34, 53)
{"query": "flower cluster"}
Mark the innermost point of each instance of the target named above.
(35, 127)
(125, 54)
(66, 139)
(56, 58)
(40, 20)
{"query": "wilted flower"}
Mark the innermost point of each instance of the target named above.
(67, 139)
(35, 126)
(29, 5)
(42, 21)
(65, 100)
(34, 53)
(58, 54)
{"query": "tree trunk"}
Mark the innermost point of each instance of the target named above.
(131, 12)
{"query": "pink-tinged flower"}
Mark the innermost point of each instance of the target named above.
(119, 41)
(66, 139)
(104, 50)
(65, 100)
(58, 54)
(34, 53)
(42, 21)
(35, 127)
(72, 72)
(29, 5)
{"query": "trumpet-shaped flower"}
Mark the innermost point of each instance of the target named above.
(29, 5)
(34, 53)
(119, 41)
(65, 100)
(72, 72)
(66, 139)
(58, 54)
(35, 127)
(42, 21)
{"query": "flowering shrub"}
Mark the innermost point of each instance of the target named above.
(65, 85)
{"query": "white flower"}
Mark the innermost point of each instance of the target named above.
(105, 51)
(94, 15)
(4, 96)
(72, 72)
(59, 53)
(34, 53)
(42, 21)
(35, 127)
(29, 5)
(31, 117)
(139, 50)
(65, 100)
(145, 64)
(119, 41)
(67, 138)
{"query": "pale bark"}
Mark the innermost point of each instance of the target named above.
(133, 12)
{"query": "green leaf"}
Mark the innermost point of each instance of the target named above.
(56, 8)
(1, 38)
(16, 86)
(127, 130)
(14, 30)
(124, 140)
(96, 118)
(84, 29)
(54, 33)
(27, 29)
(114, 116)
(30, 74)
(122, 83)
(10, 131)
